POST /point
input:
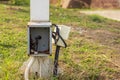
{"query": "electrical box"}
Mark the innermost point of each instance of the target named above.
(64, 32)
(39, 38)
(39, 10)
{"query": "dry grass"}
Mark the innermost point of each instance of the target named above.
(92, 52)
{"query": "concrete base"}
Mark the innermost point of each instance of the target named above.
(42, 67)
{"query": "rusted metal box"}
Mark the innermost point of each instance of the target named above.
(39, 38)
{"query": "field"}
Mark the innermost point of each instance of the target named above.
(93, 51)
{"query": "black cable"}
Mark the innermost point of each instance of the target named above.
(56, 36)
(36, 42)
(57, 33)
(55, 70)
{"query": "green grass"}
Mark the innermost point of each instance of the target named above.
(82, 60)
(117, 41)
(13, 41)
(75, 18)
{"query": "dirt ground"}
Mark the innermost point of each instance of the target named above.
(111, 14)
(106, 37)
(103, 37)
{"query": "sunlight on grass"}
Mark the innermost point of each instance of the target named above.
(81, 60)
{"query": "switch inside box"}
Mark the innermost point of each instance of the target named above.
(39, 38)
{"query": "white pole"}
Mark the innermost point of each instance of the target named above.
(40, 67)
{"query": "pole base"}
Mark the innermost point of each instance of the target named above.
(41, 67)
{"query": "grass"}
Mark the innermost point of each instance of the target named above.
(83, 59)
(13, 44)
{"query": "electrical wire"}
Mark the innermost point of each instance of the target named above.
(56, 36)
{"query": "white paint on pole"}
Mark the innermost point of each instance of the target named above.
(39, 10)
(43, 66)
(40, 65)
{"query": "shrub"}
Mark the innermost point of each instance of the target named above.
(20, 2)
(97, 18)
